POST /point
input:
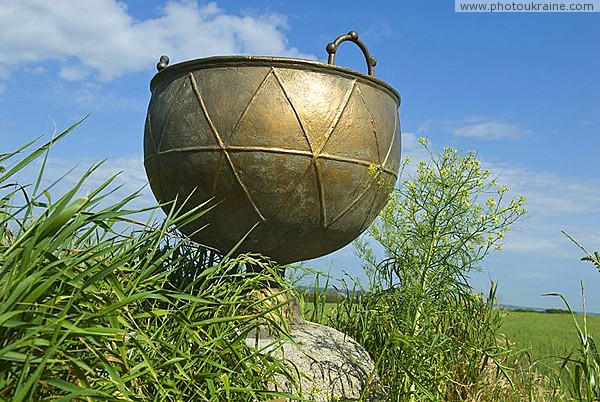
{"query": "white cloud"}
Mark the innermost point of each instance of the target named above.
(412, 148)
(555, 204)
(74, 73)
(91, 95)
(63, 174)
(100, 39)
(425, 127)
(521, 242)
(489, 129)
(409, 142)
(550, 194)
(384, 30)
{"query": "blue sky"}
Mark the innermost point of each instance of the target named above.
(523, 89)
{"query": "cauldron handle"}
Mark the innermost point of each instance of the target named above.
(353, 37)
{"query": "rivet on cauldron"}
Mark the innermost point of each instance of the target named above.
(162, 63)
(294, 150)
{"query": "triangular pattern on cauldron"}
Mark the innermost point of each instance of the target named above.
(355, 136)
(392, 162)
(366, 205)
(227, 92)
(152, 166)
(269, 123)
(272, 179)
(318, 98)
(375, 200)
(150, 144)
(191, 180)
(186, 128)
(160, 109)
(383, 106)
(303, 202)
(236, 213)
(352, 182)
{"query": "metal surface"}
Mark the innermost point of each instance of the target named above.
(295, 150)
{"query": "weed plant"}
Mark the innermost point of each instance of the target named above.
(97, 306)
(431, 336)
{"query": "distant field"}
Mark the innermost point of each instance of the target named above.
(544, 335)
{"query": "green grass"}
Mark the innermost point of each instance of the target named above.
(96, 306)
(561, 347)
(539, 341)
(545, 337)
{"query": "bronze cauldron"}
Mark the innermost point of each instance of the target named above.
(299, 153)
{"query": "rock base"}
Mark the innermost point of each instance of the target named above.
(334, 367)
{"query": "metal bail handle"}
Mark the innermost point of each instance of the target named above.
(353, 37)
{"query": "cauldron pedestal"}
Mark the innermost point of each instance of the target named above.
(333, 365)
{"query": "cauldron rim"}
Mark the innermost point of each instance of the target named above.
(265, 61)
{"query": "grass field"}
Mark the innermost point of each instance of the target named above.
(546, 336)
(542, 336)
(536, 337)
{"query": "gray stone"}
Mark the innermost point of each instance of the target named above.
(334, 367)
